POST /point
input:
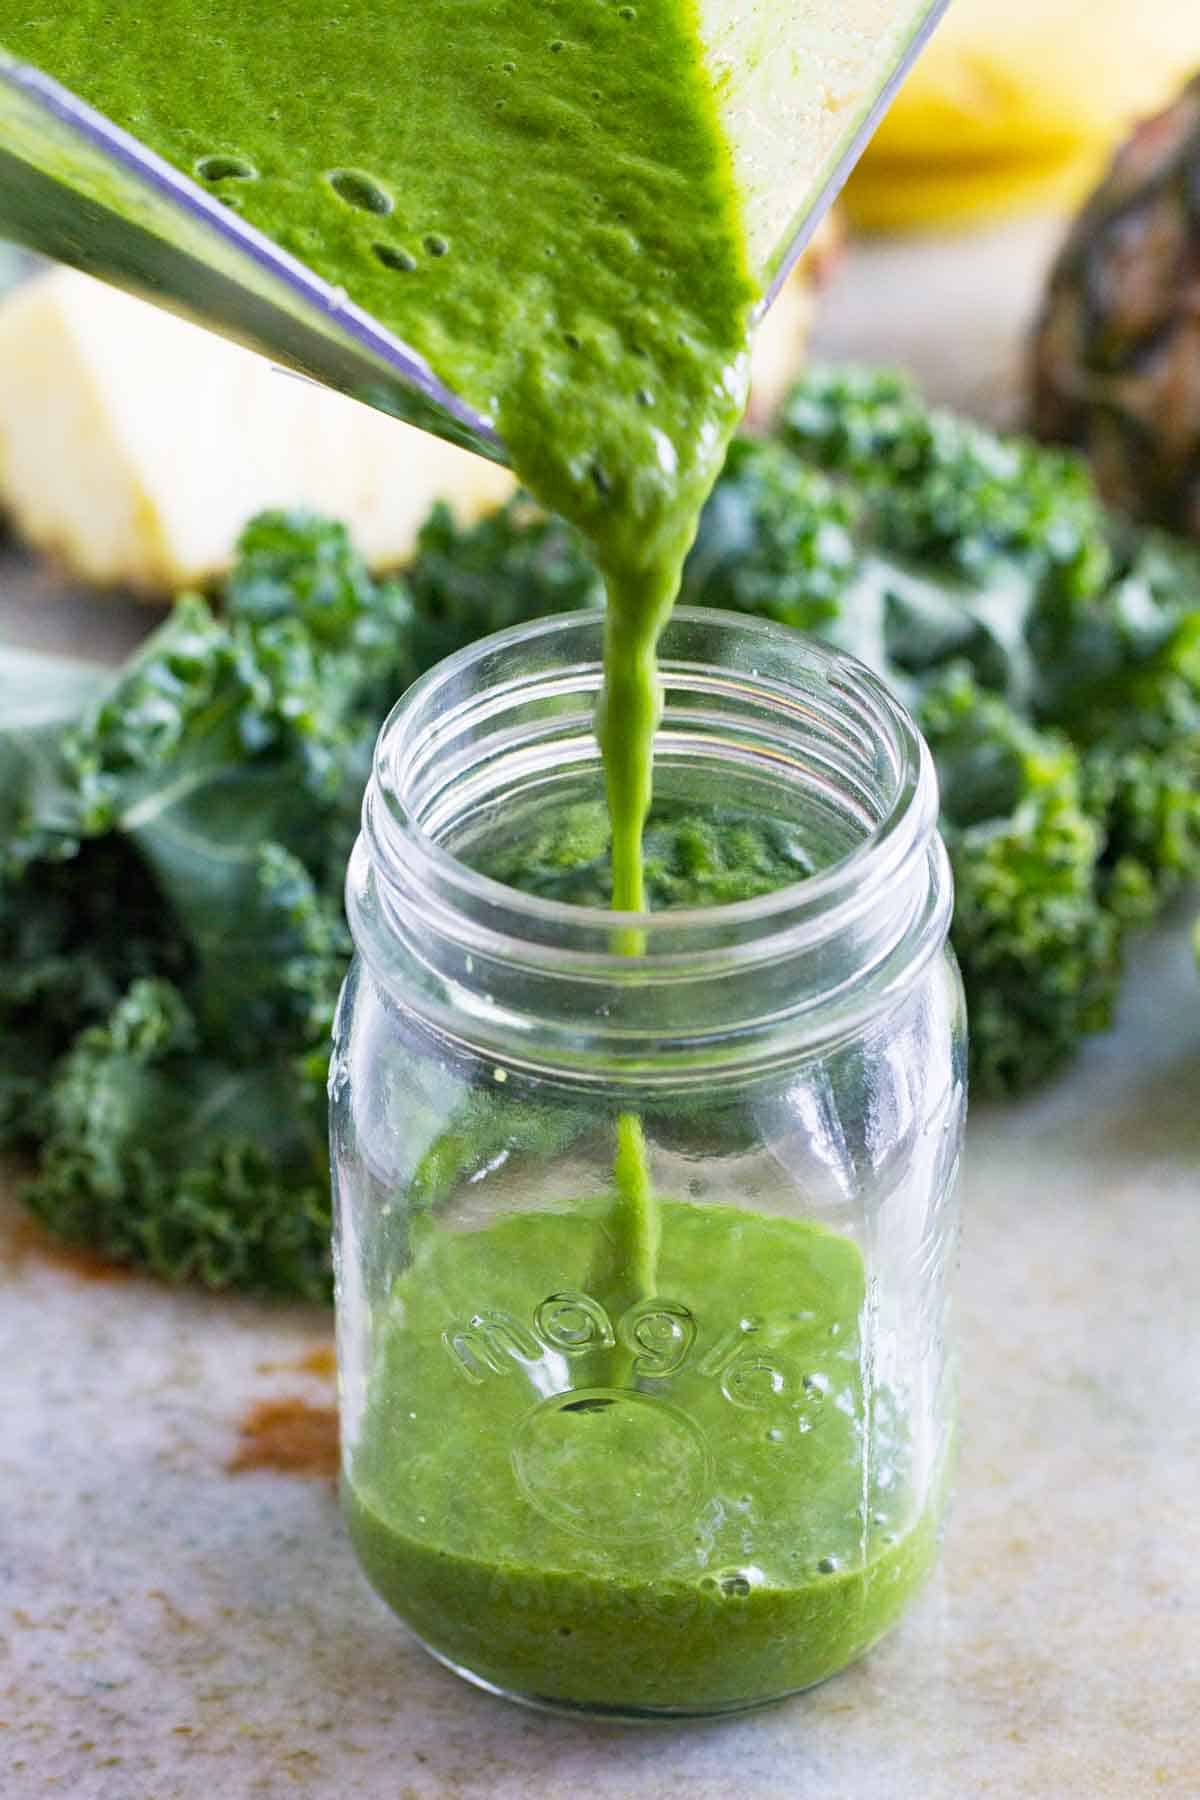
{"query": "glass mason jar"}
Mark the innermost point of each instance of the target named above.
(642, 1259)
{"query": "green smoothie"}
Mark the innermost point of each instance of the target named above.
(651, 1497)
(709, 1533)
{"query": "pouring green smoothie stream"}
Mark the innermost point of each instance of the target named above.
(538, 197)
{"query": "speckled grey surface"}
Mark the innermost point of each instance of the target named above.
(170, 1630)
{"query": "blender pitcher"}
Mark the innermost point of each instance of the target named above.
(799, 88)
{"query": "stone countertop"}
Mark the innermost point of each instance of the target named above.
(181, 1616)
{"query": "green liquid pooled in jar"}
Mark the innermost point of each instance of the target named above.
(696, 1542)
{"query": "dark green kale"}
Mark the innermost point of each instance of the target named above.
(996, 555)
(945, 491)
(171, 934)
(512, 565)
(1134, 711)
(775, 539)
(160, 1150)
(1038, 947)
(691, 858)
(75, 932)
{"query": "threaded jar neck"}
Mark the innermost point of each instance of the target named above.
(755, 717)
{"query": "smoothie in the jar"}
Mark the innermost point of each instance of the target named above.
(691, 1540)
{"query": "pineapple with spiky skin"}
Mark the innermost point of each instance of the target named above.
(1116, 351)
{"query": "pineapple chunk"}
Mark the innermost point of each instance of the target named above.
(1031, 78)
(134, 447)
(1017, 103)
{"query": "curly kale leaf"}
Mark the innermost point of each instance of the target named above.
(1139, 732)
(209, 714)
(40, 697)
(949, 492)
(201, 810)
(997, 553)
(1039, 950)
(512, 565)
(312, 607)
(915, 554)
(158, 1152)
(775, 539)
(73, 935)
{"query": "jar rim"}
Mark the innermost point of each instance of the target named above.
(845, 885)
(751, 983)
